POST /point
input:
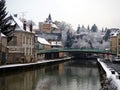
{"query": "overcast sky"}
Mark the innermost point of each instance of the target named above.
(103, 13)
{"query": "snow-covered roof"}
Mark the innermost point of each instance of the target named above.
(48, 36)
(54, 26)
(43, 41)
(49, 21)
(18, 22)
(114, 33)
(19, 25)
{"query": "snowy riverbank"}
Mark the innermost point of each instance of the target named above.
(35, 63)
(112, 77)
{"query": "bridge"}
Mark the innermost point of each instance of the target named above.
(74, 52)
(83, 50)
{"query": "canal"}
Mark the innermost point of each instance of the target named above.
(70, 75)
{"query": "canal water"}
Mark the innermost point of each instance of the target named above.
(70, 75)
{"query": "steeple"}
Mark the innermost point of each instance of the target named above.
(49, 19)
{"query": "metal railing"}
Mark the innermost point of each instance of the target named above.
(76, 50)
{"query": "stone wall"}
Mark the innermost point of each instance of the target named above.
(15, 58)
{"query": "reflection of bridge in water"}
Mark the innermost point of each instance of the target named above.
(76, 52)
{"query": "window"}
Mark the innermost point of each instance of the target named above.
(31, 51)
(30, 41)
(33, 40)
(26, 40)
(28, 51)
(23, 39)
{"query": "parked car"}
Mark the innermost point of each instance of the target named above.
(116, 59)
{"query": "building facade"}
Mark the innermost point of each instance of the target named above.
(21, 47)
(51, 33)
(118, 45)
(115, 44)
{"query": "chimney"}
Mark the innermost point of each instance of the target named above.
(31, 26)
(24, 25)
(15, 15)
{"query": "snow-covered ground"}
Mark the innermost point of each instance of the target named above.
(115, 81)
(35, 63)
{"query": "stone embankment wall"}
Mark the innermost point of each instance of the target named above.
(106, 83)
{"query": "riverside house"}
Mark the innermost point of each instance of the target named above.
(115, 43)
(49, 31)
(41, 44)
(21, 47)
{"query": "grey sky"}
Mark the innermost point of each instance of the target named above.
(104, 13)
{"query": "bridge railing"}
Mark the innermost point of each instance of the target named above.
(49, 51)
(76, 50)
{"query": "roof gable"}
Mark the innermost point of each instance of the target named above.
(19, 24)
(43, 41)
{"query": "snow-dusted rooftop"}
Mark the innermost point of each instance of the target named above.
(49, 21)
(43, 41)
(114, 33)
(19, 24)
(54, 26)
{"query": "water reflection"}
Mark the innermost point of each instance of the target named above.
(21, 81)
(73, 75)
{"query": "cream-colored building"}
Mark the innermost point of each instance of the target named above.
(118, 45)
(115, 44)
(41, 44)
(51, 33)
(21, 47)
